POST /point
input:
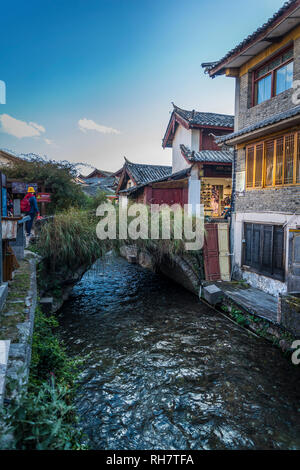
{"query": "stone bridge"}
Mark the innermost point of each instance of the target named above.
(186, 270)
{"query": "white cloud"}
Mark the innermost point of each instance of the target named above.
(90, 125)
(48, 141)
(20, 129)
(37, 126)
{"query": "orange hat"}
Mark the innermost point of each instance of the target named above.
(30, 190)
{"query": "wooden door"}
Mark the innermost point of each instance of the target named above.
(224, 258)
(211, 253)
(294, 261)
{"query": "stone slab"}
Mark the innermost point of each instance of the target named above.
(3, 294)
(4, 352)
(252, 300)
(212, 294)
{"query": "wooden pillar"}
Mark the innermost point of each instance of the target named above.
(43, 206)
(17, 207)
(148, 195)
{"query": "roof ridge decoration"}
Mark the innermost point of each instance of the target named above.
(194, 113)
(209, 66)
(151, 165)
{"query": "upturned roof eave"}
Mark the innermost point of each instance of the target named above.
(223, 64)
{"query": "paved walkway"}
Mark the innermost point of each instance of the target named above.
(253, 300)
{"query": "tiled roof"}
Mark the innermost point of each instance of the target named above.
(205, 119)
(93, 185)
(264, 123)
(107, 181)
(252, 37)
(95, 171)
(142, 173)
(213, 156)
(175, 176)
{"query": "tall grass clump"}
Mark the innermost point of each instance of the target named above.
(69, 240)
(175, 244)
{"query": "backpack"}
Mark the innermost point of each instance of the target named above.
(25, 204)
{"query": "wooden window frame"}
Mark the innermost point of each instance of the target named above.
(259, 268)
(272, 73)
(296, 150)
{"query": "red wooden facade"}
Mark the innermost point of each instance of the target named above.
(165, 195)
(207, 141)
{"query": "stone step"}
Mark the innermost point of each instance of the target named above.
(4, 352)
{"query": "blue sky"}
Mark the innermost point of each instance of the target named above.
(93, 80)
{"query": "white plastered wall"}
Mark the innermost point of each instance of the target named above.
(194, 191)
(187, 137)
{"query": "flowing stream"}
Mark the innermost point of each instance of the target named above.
(163, 371)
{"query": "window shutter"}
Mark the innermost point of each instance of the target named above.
(267, 248)
(264, 249)
(256, 246)
(278, 251)
(248, 244)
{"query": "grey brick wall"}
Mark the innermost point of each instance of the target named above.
(270, 200)
(248, 115)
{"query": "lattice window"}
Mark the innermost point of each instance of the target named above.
(250, 166)
(259, 165)
(279, 161)
(269, 162)
(289, 147)
(274, 162)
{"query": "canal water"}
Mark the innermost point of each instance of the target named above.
(163, 371)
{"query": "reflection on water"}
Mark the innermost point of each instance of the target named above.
(163, 371)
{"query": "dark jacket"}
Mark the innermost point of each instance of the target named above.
(33, 205)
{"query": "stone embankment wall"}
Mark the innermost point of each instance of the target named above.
(16, 325)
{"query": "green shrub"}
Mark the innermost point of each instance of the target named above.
(49, 357)
(57, 176)
(40, 419)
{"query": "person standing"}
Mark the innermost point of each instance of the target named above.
(32, 208)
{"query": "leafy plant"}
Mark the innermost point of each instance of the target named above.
(40, 420)
(49, 355)
(43, 416)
